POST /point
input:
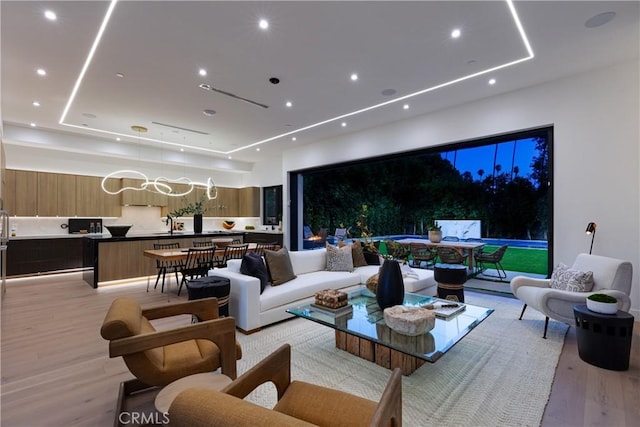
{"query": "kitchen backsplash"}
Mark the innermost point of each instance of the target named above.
(144, 219)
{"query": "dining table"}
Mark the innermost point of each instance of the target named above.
(181, 253)
(460, 246)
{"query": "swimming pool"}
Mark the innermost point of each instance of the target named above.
(532, 244)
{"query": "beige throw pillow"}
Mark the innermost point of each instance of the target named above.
(568, 279)
(357, 253)
(279, 266)
(339, 259)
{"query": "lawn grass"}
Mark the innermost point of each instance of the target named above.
(525, 260)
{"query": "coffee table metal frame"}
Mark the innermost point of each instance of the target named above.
(363, 332)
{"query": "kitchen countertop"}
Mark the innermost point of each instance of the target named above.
(149, 234)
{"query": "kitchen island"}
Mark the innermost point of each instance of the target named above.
(107, 259)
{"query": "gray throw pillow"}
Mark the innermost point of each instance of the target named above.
(279, 266)
(339, 259)
(568, 279)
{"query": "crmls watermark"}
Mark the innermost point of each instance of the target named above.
(143, 418)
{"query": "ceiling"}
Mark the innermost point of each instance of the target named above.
(145, 70)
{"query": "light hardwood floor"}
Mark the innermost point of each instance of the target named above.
(56, 372)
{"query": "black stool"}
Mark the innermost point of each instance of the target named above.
(450, 278)
(604, 340)
(211, 286)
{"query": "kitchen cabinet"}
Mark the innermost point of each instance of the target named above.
(33, 256)
(92, 201)
(226, 204)
(25, 193)
(9, 199)
(140, 198)
(67, 204)
(249, 201)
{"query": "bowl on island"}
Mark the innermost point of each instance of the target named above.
(228, 224)
(118, 230)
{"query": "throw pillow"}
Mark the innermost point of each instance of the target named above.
(339, 259)
(253, 265)
(568, 279)
(357, 253)
(279, 266)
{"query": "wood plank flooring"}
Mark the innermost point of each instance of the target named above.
(55, 369)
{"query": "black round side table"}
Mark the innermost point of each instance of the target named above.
(604, 340)
(211, 286)
(451, 279)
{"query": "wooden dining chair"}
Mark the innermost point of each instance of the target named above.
(165, 267)
(198, 263)
(202, 243)
(232, 252)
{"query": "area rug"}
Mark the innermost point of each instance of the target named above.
(500, 374)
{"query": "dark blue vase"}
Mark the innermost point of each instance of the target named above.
(390, 290)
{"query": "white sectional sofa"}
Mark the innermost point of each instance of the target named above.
(253, 310)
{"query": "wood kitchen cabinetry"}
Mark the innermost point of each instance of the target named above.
(249, 201)
(140, 198)
(92, 201)
(22, 192)
(56, 194)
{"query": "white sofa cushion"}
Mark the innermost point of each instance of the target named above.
(411, 284)
(308, 261)
(305, 286)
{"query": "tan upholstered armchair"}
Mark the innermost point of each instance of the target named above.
(611, 276)
(299, 403)
(157, 358)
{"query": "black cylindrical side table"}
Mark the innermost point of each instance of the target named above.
(211, 286)
(604, 340)
(450, 278)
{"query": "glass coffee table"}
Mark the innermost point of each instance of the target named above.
(362, 331)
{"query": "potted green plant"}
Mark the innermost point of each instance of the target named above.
(196, 208)
(435, 232)
(602, 303)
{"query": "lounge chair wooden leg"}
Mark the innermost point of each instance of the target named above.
(546, 325)
(523, 309)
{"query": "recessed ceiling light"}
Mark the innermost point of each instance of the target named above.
(263, 24)
(208, 112)
(119, 75)
(455, 33)
(492, 81)
(202, 72)
(35, 103)
(354, 77)
(118, 139)
(344, 124)
(229, 157)
(294, 138)
(50, 15)
(32, 125)
(41, 72)
(258, 149)
(599, 19)
(182, 150)
(405, 106)
(289, 104)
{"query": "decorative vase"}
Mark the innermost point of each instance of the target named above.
(435, 236)
(390, 289)
(197, 223)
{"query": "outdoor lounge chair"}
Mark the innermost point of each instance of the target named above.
(450, 256)
(482, 258)
(422, 253)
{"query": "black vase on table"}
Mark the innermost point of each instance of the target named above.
(197, 223)
(390, 290)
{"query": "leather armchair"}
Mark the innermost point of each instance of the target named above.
(299, 403)
(157, 358)
(611, 276)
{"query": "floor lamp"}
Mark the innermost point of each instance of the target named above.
(591, 229)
